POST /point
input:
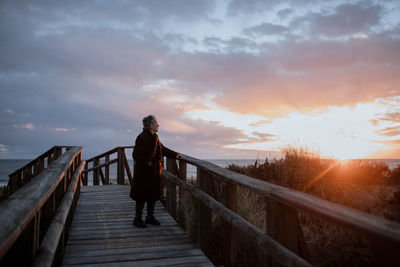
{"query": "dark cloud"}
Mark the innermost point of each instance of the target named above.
(237, 7)
(100, 67)
(346, 19)
(265, 29)
(276, 81)
(284, 13)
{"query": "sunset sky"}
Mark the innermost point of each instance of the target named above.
(226, 79)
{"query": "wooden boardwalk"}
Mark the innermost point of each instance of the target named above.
(102, 234)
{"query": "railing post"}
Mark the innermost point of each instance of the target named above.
(48, 211)
(203, 218)
(107, 170)
(230, 247)
(96, 180)
(128, 170)
(120, 167)
(57, 152)
(40, 165)
(85, 175)
(171, 187)
(182, 174)
(282, 224)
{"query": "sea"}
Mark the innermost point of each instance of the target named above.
(8, 166)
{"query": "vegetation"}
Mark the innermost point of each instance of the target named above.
(366, 186)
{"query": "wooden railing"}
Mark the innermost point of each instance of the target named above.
(283, 240)
(107, 157)
(25, 174)
(35, 219)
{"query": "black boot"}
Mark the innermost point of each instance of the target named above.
(150, 219)
(138, 221)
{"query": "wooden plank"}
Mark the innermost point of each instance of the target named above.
(105, 235)
(44, 155)
(171, 188)
(265, 242)
(98, 232)
(112, 151)
(111, 235)
(120, 167)
(107, 169)
(128, 170)
(191, 260)
(284, 226)
(96, 166)
(103, 180)
(51, 240)
(375, 227)
(134, 257)
(204, 219)
(96, 180)
(19, 209)
(85, 175)
(182, 174)
(122, 251)
(139, 242)
(230, 244)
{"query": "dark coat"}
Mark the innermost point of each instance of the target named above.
(148, 154)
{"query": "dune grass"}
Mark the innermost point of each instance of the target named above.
(369, 187)
(366, 186)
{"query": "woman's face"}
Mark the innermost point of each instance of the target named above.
(154, 126)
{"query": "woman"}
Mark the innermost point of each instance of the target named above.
(146, 185)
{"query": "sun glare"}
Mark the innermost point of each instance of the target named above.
(338, 132)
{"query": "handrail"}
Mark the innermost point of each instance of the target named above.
(26, 215)
(111, 151)
(47, 251)
(348, 217)
(282, 219)
(24, 174)
(283, 255)
(122, 167)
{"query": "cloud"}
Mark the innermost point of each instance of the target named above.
(28, 126)
(390, 131)
(3, 148)
(99, 68)
(58, 129)
(237, 7)
(217, 45)
(346, 19)
(284, 13)
(260, 123)
(9, 111)
(265, 29)
(326, 72)
(391, 117)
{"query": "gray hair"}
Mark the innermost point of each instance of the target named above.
(148, 120)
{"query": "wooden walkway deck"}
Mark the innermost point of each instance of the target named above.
(102, 234)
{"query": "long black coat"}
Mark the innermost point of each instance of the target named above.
(148, 154)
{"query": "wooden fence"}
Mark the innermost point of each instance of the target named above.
(25, 174)
(107, 157)
(283, 241)
(35, 219)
